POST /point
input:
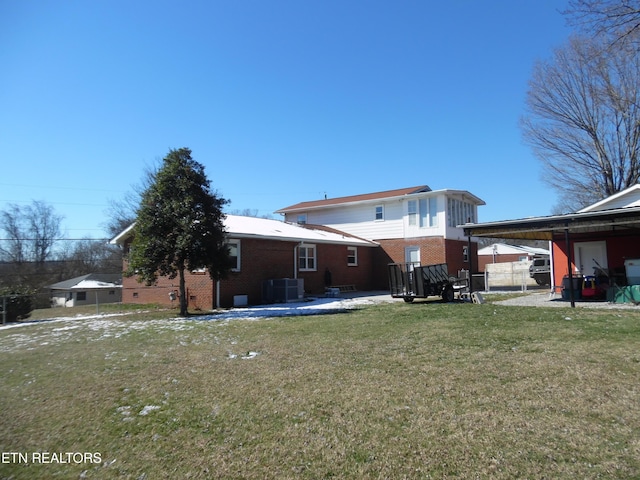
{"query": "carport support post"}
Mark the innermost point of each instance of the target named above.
(470, 257)
(566, 241)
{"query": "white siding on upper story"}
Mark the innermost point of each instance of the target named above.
(424, 225)
(359, 219)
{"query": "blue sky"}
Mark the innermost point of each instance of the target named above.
(283, 101)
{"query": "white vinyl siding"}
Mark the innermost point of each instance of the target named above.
(421, 216)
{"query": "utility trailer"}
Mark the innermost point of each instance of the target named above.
(409, 281)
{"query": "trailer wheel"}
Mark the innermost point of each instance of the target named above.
(447, 294)
(408, 299)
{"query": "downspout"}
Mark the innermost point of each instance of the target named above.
(295, 260)
(217, 293)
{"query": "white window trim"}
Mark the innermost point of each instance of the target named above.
(238, 266)
(412, 213)
(355, 256)
(375, 213)
(307, 246)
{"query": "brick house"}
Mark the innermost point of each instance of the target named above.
(414, 224)
(264, 250)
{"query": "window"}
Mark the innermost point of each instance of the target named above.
(412, 212)
(459, 212)
(412, 256)
(424, 212)
(307, 257)
(433, 212)
(352, 256)
(302, 219)
(234, 254)
(81, 296)
(425, 209)
(379, 213)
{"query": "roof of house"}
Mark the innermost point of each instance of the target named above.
(504, 249)
(543, 228)
(355, 198)
(252, 227)
(374, 197)
(90, 281)
(629, 197)
(238, 226)
(619, 212)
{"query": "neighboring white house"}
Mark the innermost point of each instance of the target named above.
(414, 224)
(87, 290)
(501, 253)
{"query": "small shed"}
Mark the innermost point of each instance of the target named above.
(90, 289)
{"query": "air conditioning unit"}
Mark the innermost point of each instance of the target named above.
(283, 290)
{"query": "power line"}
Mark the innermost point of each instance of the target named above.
(54, 239)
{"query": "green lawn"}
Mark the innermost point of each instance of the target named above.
(388, 391)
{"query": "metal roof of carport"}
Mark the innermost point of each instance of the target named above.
(543, 228)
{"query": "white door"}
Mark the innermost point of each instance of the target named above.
(590, 255)
(412, 255)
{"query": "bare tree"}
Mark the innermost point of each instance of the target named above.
(30, 232)
(250, 212)
(619, 20)
(583, 120)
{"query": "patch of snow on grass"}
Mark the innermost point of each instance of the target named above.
(148, 409)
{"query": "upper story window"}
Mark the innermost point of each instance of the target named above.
(302, 219)
(459, 212)
(379, 213)
(412, 212)
(423, 212)
(307, 257)
(352, 256)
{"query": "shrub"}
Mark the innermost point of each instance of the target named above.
(18, 302)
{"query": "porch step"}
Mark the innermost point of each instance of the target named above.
(345, 288)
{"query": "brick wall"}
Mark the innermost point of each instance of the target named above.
(433, 250)
(334, 258)
(199, 291)
(260, 260)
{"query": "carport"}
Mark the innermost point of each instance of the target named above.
(618, 229)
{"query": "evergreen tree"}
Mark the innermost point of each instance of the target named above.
(179, 225)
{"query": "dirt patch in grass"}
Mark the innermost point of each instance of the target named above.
(389, 391)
